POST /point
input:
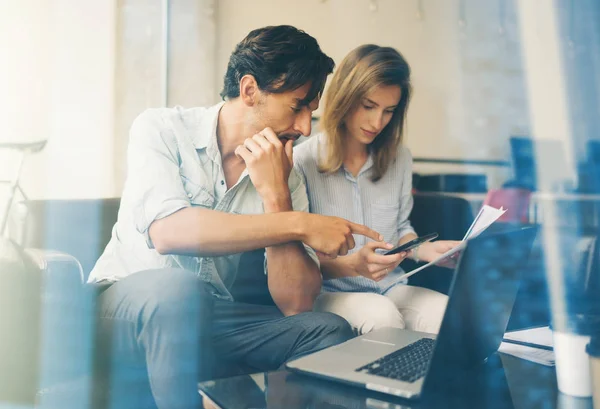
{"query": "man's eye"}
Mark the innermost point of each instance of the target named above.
(297, 110)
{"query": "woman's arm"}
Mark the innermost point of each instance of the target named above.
(339, 267)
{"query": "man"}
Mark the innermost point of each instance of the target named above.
(205, 185)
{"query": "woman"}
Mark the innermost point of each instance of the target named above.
(358, 169)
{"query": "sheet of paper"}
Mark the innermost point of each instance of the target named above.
(443, 257)
(538, 336)
(486, 216)
(540, 356)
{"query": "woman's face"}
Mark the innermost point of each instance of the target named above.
(373, 113)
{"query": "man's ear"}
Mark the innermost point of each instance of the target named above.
(249, 90)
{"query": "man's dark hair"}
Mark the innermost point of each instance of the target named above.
(281, 59)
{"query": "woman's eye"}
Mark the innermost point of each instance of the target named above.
(296, 110)
(367, 107)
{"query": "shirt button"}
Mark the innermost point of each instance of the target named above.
(190, 195)
(222, 182)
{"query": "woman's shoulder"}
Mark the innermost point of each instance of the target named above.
(307, 151)
(404, 151)
(403, 155)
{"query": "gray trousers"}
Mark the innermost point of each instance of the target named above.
(160, 332)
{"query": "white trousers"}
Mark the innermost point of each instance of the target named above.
(403, 306)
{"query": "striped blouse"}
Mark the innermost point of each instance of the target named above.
(383, 205)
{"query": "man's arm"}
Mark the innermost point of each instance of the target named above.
(165, 217)
(294, 278)
(196, 231)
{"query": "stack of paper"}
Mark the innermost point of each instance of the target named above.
(486, 216)
(535, 344)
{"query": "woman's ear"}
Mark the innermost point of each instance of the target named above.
(249, 90)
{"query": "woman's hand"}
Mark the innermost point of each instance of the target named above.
(434, 249)
(372, 265)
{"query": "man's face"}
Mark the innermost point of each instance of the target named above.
(284, 113)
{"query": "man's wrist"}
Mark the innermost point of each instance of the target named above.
(277, 201)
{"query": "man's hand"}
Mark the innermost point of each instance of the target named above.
(432, 250)
(372, 265)
(331, 236)
(269, 163)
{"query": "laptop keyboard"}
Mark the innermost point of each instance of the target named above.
(407, 364)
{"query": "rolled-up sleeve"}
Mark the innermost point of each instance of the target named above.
(154, 185)
(406, 197)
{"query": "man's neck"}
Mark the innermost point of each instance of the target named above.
(232, 129)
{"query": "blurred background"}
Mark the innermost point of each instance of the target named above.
(77, 72)
(505, 111)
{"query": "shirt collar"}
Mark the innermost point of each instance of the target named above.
(206, 133)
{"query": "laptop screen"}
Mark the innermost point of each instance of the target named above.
(484, 288)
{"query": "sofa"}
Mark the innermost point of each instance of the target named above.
(77, 231)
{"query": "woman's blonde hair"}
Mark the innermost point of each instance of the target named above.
(364, 69)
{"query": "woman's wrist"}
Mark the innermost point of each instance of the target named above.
(350, 264)
(414, 254)
(342, 266)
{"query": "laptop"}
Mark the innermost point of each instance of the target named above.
(402, 362)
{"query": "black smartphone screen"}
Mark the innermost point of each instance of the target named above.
(412, 244)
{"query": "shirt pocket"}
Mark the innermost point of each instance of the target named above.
(197, 194)
(385, 220)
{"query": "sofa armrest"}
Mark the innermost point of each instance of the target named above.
(67, 320)
(79, 227)
(56, 263)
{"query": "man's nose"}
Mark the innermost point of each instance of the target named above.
(303, 123)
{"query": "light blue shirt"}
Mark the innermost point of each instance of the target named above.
(384, 205)
(173, 162)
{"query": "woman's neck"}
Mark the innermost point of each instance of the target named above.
(355, 155)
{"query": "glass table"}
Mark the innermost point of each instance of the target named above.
(503, 382)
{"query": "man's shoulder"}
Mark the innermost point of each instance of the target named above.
(164, 116)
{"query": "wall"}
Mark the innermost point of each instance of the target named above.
(469, 92)
(60, 86)
(25, 43)
(140, 73)
(73, 78)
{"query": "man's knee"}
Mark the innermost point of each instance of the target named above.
(164, 298)
(177, 284)
(331, 328)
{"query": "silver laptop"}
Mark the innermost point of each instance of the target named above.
(402, 362)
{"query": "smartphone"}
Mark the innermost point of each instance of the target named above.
(412, 244)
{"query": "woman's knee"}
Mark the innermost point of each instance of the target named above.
(364, 311)
(381, 313)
